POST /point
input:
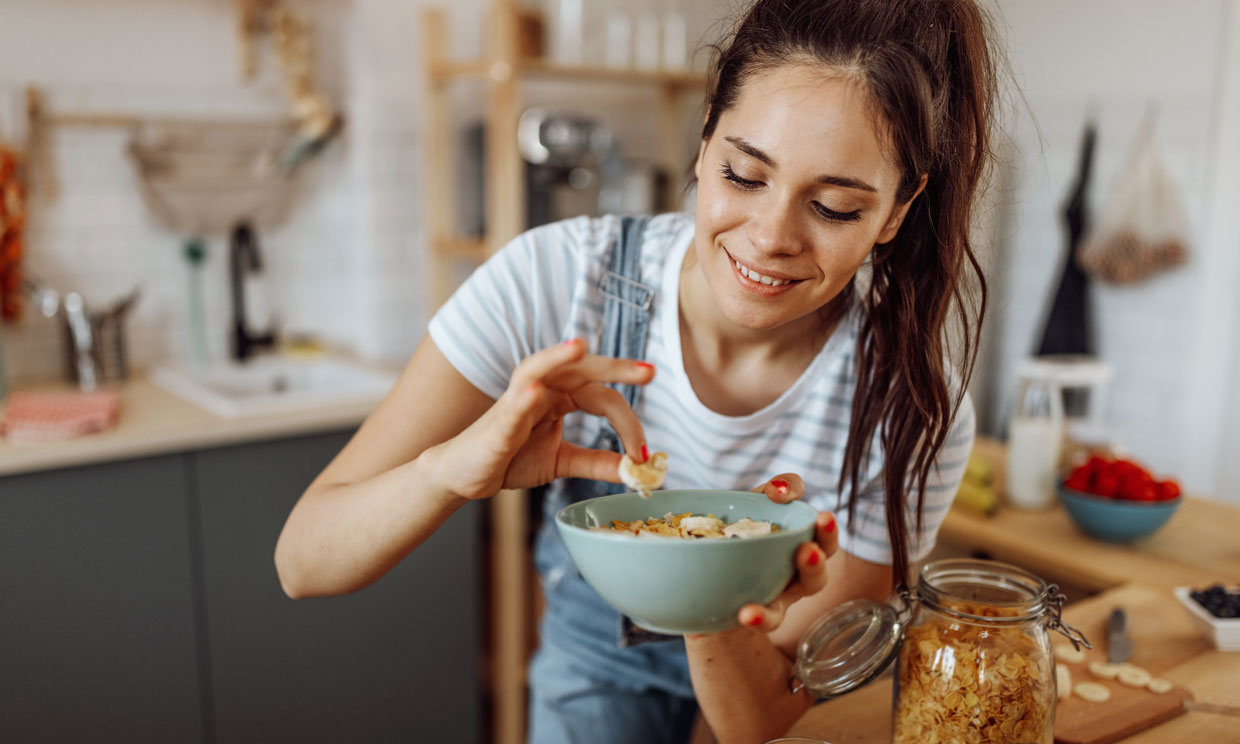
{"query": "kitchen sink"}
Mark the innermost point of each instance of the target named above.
(272, 384)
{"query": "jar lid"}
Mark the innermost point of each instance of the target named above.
(848, 646)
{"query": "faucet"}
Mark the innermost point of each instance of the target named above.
(243, 256)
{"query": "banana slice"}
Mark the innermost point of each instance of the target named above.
(1063, 682)
(1094, 692)
(1103, 670)
(1158, 686)
(646, 477)
(1069, 654)
(1134, 676)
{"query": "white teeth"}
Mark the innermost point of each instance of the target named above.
(755, 276)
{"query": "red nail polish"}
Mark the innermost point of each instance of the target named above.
(813, 558)
(756, 620)
(645, 365)
(781, 486)
(831, 525)
(569, 342)
(645, 453)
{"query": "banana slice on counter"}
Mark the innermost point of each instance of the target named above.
(1094, 692)
(1158, 686)
(1063, 682)
(645, 477)
(1069, 654)
(1103, 670)
(1133, 676)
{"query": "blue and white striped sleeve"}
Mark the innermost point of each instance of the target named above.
(868, 539)
(511, 306)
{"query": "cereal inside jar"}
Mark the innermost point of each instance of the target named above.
(975, 665)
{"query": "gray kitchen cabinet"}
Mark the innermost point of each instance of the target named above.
(394, 662)
(97, 606)
(139, 603)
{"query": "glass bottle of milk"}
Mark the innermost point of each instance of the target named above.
(1035, 437)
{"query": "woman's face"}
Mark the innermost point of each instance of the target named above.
(795, 188)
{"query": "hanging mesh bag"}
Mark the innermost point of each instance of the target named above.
(1143, 229)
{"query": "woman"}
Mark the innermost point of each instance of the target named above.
(839, 135)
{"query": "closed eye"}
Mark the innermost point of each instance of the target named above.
(743, 183)
(831, 214)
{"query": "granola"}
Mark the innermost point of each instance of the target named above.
(973, 683)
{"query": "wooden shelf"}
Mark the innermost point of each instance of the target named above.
(497, 71)
(473, 249)
(504, 73)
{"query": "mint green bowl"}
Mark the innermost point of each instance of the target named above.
(678, 586)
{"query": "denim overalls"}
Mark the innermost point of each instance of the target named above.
(595, 678)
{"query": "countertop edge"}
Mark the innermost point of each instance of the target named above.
(155, 422)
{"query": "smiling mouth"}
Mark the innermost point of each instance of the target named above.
(754, 276)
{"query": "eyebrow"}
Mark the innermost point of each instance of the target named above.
(844, 181)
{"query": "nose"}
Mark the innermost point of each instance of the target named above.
(774, 227)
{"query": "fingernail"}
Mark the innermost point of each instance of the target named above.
(830, 525)
(756, 620)
(813, 558)
(645, 453)
(569, 342)
(645, 365)
(781, 486)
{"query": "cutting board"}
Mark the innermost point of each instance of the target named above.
(1163, 636)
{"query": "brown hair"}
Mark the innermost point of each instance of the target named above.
(930, 72)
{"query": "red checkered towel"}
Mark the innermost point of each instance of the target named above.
(36, 416)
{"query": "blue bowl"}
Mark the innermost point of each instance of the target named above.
(678, 586)
(1116, 520)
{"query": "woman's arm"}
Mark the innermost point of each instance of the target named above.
(433, 444)
(741, 676)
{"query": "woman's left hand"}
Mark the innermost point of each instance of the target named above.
(811, 558)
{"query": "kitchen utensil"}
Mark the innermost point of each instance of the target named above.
(670, 585)
(195, 253)
(1119, 643)
(82, 341)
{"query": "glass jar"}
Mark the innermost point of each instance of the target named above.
(976, 664)
(974, 654)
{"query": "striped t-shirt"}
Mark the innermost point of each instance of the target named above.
(542, 289)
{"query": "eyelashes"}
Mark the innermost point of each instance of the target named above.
(746, 184)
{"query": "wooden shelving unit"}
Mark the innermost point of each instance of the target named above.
(504, 73)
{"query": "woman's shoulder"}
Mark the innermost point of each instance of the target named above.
(589, 236)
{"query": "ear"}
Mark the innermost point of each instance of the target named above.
(697, 165)
(889, 231)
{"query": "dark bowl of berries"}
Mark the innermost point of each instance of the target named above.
(1216, 610)
(1118, 500)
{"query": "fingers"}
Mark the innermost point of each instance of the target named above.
(783, 488)
(540, 364)
(827, 533)
(811, 563)
(580, 462)
(599, 400)
(592, 368)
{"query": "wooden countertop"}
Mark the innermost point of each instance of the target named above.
(154, 421)
(1165, 641)
(1200, 545)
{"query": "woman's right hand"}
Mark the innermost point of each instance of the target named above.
(518, 442)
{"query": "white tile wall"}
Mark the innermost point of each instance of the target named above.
(1121, 57)
(181, 59)
(348, 265)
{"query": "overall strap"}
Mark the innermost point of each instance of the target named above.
(626, 301)
(626, 324)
